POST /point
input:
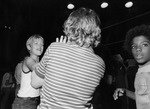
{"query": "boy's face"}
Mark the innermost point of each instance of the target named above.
(141, 49)
(37, 47)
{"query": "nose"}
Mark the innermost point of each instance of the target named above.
(138, 49)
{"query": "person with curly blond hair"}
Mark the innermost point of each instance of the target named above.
(70, 69)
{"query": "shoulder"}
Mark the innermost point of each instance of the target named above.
(99, 62)
(28, 63)
(29, 60)
(57, 46)
(19, 65)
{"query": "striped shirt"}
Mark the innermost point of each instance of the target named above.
(71, 74)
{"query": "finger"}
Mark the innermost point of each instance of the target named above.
(64, 40)
(120, 94)
(121, 91)
(115, 98)
(57, 39)
(61, 39)
(115, 95)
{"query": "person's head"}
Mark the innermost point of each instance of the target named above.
(83, 28)
(138, 43)
(35, 44)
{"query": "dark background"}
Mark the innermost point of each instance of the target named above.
(20, 19)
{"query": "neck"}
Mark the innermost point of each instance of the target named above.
(35, 58)
(144, 64)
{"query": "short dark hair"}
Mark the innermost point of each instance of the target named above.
(134, 32)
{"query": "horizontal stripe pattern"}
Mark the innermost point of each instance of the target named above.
(71, 75)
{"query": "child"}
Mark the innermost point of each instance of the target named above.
(27, 96)
(138, 43)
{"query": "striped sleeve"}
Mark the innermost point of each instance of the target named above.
(41, 67)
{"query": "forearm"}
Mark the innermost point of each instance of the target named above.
(130, 94)
(36, 81)
(9, 83)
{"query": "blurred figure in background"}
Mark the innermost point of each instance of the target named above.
(7, 90)
(119, 79)
(102, 98)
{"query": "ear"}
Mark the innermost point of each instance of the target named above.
(28, 47)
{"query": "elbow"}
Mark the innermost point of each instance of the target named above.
(34, 85)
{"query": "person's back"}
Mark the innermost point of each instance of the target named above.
(73, 70)
(70, 72)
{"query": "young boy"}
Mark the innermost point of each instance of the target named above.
(138, 43)
(27, 96)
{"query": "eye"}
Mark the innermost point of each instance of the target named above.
(145, 45)
(133, 46)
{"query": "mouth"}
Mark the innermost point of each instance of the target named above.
(38, 49)
(139, 57)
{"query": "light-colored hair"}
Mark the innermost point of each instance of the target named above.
(82, 28)
(31, 38)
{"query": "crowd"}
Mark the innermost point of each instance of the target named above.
(78, 72)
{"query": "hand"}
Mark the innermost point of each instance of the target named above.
(118, 92)
(63, 39)
(13, 85)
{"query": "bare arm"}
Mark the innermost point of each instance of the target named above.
(130, 94)
(120, 92)
(36, 81)
(17, 74)
(30, 63)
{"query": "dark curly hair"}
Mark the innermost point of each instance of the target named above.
(134, 32)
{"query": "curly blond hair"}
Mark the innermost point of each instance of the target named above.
(82, 28)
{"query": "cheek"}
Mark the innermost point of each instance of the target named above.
(133, 52)
(148, 53)
(42, 48)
